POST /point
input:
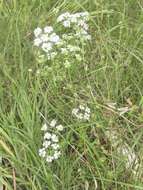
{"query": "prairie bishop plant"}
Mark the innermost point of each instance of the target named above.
(50, 149)
(65, 50)
(82, 112)
(78, 23)
(46, 40)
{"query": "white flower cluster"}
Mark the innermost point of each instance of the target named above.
(82, 112)
(78, 22)
(46, 39)
(68, 46)
(51, 148)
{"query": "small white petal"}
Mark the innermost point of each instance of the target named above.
(54, 138)
(86, 116)
(75, 111)
(47, 135)
(60, 18)
(54, 38)
(80, 116)
(37, 42)
(63, 16)
(81, 107)
(66, 23)
(47, 47)
(46, 144)
(44, 38)
(44, 127)
(87, 110)
(55, 146)
(49, 159)
(53, 123)
(59, 127)
(56, 155)
(48, 29)
(37, 32)
(42, 152)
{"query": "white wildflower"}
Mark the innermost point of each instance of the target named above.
(66, 24)
(49, 158)
(87, 110)
(81, 23)
(47, 135)
(56, 155)
(53, 123)
(54, 38)
(82, 107)
(44, 127)
(75, 111)
(86, 116)
(55, 146)
(54, 138)
(50, 150)
(48, 29)
(46, 144)
(59, 127)
(37, 42)
(52, 44)
(77, 15)
(80, 116)
(63, 16)
(37, 32)
(84, 14)
(60, 18)
(47, 47)
(82, 112)
(77, 21)
(44, 38)
(47, 40)
(42, 152)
